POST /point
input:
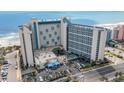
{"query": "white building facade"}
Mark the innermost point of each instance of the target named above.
(88, 41)
(41, 34)
(26, 45)
(48, 33)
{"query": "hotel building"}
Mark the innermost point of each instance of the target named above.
(87, 41)
(118, 32)
(42, 34)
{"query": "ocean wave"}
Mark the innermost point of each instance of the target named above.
(9, 35)
(9, 39)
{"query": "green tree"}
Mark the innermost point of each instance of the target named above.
(69, 78)
(2, 58)
(93, 63)
(1, 62)
(120, 74)
(87, 65)
(116, 74)
(103, 78)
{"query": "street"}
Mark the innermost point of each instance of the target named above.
(109, 72)
(89, 76)
(10, 57)
(96, 74)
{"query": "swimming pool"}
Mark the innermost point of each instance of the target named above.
(53, 63)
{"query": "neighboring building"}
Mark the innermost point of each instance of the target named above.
(26, 45)
(112, 43)
(109, 35)
(118, 32)
(88, 41)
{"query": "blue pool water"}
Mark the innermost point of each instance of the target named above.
(53, 63)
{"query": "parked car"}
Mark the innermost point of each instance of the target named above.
(41, 79)
(4, 71)
(4, 77)
(82, 65)
(16, 67)
(4, 74)
(5, 67)
(79, 66)
(5, 63)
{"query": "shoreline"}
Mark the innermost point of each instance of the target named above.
(9, 39)
(6, 43)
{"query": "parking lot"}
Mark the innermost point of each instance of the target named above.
(57, 67)
(115, 59)
(4, 72)
(53, 74)
(66, 69)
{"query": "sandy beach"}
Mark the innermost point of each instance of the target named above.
(5, 43)
(9, 40)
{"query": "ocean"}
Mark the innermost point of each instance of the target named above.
(9, 39)
(9, 21)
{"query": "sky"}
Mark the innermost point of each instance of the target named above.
(10, 20)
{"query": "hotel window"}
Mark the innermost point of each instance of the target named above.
(40, 32)
(55, 33)
(58, 26)
(47, 42)
(44, 37)
(58, 38)
(55, 43)
(46, 30)
(53, 40)
(50, 35)
(52, 28)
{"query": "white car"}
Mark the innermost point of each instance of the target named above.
(4, 74)
(4, 81)
(4, 77)
(3, 71)
(41, 79)
(5, 67)
(16, 67)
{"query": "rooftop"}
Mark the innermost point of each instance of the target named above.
(42, 57)
(49, 22)
(91, 26)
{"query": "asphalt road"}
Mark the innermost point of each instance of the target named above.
(95, 75)
(109, 72)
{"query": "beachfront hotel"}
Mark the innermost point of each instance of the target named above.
(118, 32)
(86, 41)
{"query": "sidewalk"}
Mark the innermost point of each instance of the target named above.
(18, 71)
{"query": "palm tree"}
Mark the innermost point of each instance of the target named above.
(104, 79)
(2, 58)
(1, 62)
(119, 52)
(69, 78)
(75, 79)
(116, 74)
(93, 63)
(120, 74)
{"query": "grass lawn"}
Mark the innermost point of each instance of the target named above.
(90, 67)
(119, 79)
(111, 54)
